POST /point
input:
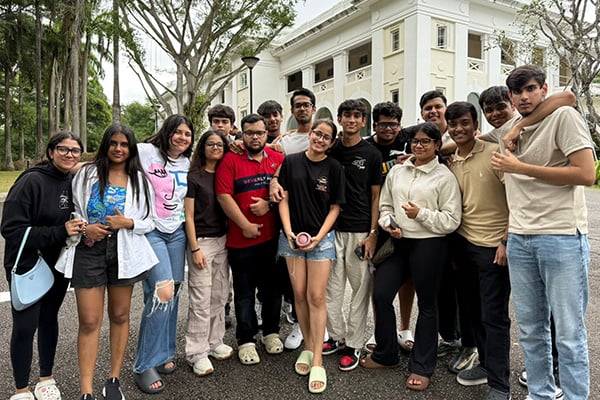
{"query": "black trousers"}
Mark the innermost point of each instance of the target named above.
(484, 293)
(43, 317)
(423, 260)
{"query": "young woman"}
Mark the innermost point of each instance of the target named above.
(112, 195)
(208, 269)
(40, 198)
(165, 161)
(420, 204)
(314, 189)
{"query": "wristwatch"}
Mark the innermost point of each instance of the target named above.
(503, 242)
(374, 232)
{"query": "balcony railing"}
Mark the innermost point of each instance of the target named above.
(358, 74)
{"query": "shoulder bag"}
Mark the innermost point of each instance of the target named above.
(28, 288)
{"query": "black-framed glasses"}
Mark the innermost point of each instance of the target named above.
(64, 150)
(255, 133)
(298, 106)
(321, 135)
(385, 125)
(218, 145)
(423, 142)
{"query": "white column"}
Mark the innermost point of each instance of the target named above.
(308, 76)
(494, 64)
(377, 53)
(461, 42)
(417, 65)
(340, 67)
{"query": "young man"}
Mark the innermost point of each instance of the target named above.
(548, 250)
(303, 103)
(242, 187)
(221, 118)
(355, 236)
(479, 252)
(387, 118)
(271, 111)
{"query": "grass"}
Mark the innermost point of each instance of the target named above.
(7, 178)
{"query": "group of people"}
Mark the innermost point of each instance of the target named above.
(459, 217)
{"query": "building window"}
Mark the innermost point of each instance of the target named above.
(243, 80)
(324, 70)
(294, 81)
(395, 39)
(474, 46)
(564, 73)
(395, 96)
(244, 113)
(359, 57)
(507, 52)
(537, 56)
(442, 36)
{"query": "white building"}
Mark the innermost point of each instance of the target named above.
(388, 50)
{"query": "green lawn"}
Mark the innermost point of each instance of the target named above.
(7, 178)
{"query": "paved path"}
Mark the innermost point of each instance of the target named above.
(274, 378)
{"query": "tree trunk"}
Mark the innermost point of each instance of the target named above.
(116, 100)
(84, 85)
(52, 106)
(21, 134)
(39, 144)
(8, 161)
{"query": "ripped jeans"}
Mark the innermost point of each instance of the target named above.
(158, 326)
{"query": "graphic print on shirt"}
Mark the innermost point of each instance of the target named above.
(63, 200)
(359, 162)
(322, 184)
(164, 183)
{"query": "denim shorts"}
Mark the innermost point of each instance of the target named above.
(98, 265)
(325, 250)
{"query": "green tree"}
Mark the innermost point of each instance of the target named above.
(200, 37)
(141, 118)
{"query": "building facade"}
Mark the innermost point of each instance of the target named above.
(390, 50)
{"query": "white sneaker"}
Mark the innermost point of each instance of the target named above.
(287, 311)
(221, 352)
(203, 367)
(558, 394)
(294, 339)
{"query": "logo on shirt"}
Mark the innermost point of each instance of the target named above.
(63, 200)
(360, 162)
(322, 184)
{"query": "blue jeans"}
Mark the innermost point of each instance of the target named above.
(549, 273)
(158, 327)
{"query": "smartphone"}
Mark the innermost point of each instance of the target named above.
(292, 243)
(360, 252)
(393, 223)
(74, 215)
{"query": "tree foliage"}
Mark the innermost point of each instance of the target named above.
(573, 29)
(200, 37)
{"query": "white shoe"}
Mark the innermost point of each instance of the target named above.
(22, 396)
(294, 339)
(370, 345)
(326, 337)
(203, 367)
(287, 311)
(221, 352)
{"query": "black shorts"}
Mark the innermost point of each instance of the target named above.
(98, 265)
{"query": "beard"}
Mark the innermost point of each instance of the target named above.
(254, 151)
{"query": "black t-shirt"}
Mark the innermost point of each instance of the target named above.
(362, 168)
(389, 152)
(312, 188)
(209, 218)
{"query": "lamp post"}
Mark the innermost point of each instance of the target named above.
(250, 62)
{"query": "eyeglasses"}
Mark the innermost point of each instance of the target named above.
(218, 145)
(255, 133)
(64, 150)
(298, 106)
(321, 135)
(423, 142)
(385, 125)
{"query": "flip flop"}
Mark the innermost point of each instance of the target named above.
(417, 386)
(305, 358)
(317, 374)
(163, 370)
(404, 338)
(146, 379)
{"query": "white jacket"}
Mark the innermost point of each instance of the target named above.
(134, 252)
(433, 188)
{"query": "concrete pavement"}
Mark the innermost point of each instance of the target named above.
(274, 377)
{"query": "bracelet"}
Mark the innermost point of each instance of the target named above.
(83, 230)
(275, 177)
(195, 251)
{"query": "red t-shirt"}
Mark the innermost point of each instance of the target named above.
(243, 178)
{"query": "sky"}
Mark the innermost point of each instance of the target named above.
(131, 89)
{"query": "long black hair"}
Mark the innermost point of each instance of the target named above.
(199, 158)
(133, 166)
(162, 138)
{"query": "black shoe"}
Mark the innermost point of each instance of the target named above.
(331, 346)
(445, 347)
(472, 377)
(87, 396)
(463, 360)
(112, 390)
(350, 359)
